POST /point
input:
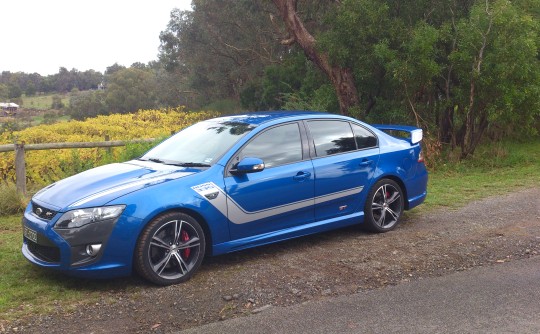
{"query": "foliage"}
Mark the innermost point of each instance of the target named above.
(141, 86)
(61, 82)
(220, 46)
(41, 169)
(277, 80)
(463, 70)
(130, 89)
(460, 70)
(52, 117)
(8, 128)
(4, 92)
(44, 101)
(12, 201)
(87, 104)
(322, 99)
(500, 42)
(14, 91)
(171, 88)
(293, 84)
(114, 68)
(495, 168)
(226, 106)
(57, 102)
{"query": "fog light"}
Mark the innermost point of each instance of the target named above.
(92, 250)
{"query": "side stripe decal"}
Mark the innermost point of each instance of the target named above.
(238, 215)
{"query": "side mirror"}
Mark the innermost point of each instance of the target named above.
(249, 165)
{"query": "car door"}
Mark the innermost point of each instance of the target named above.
(281, 195)
(345, 157)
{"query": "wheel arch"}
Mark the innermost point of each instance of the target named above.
(200, 219)
(400, 183)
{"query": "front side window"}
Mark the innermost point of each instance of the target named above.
(331, 137)
(277, 146)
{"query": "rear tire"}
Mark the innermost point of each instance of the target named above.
(384, 206)
(170, 249)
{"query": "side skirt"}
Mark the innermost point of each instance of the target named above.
(289, 233)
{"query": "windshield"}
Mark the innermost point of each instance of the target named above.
(200, 144)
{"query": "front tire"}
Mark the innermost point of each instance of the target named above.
(384, 206)
(170, 249)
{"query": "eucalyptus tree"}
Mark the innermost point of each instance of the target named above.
(341, 77)
(220, 46)
(131, 89)
(496, 57)
(459, 69)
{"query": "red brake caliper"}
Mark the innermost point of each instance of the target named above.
(185, 237)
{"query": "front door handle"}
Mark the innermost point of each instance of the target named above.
(301, 176)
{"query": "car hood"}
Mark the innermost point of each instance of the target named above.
(101, 185)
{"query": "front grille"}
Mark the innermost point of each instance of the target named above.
(42, 212)
(44, 253)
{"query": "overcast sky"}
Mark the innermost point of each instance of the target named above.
(43, 35)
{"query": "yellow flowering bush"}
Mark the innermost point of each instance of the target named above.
(46, 166)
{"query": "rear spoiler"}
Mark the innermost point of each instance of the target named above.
(413, 134)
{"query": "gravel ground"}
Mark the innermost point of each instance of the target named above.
(487, 232)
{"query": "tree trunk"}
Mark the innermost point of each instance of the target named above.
(473, 133)
(342, 78)
(447, 132)
(446, 127)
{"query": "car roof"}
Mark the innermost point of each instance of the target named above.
(259, 117)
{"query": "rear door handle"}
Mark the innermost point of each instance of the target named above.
(302, 176)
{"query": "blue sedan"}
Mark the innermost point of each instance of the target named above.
(224, 185)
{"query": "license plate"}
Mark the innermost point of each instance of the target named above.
(30, 234)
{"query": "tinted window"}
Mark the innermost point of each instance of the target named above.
(277, 146)
(331, 137)
(363, 137)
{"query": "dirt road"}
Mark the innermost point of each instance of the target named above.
(487, 232)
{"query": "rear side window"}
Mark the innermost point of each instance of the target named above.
(276, 146)
(363, 137)
(331, 137)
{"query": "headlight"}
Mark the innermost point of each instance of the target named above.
(81, 217)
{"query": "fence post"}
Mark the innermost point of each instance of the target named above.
(109, 150)
(20, 168)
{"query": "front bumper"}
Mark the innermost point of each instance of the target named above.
(65, 249)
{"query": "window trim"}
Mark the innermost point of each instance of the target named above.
(368, 130)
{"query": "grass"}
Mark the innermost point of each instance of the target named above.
(23, 121)
(42, 102)
(49, 119)
(12, 201)
(27, 289)
(495, 169)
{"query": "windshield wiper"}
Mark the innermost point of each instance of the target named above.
(190, 164)
(152, 159)
(173, 163)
